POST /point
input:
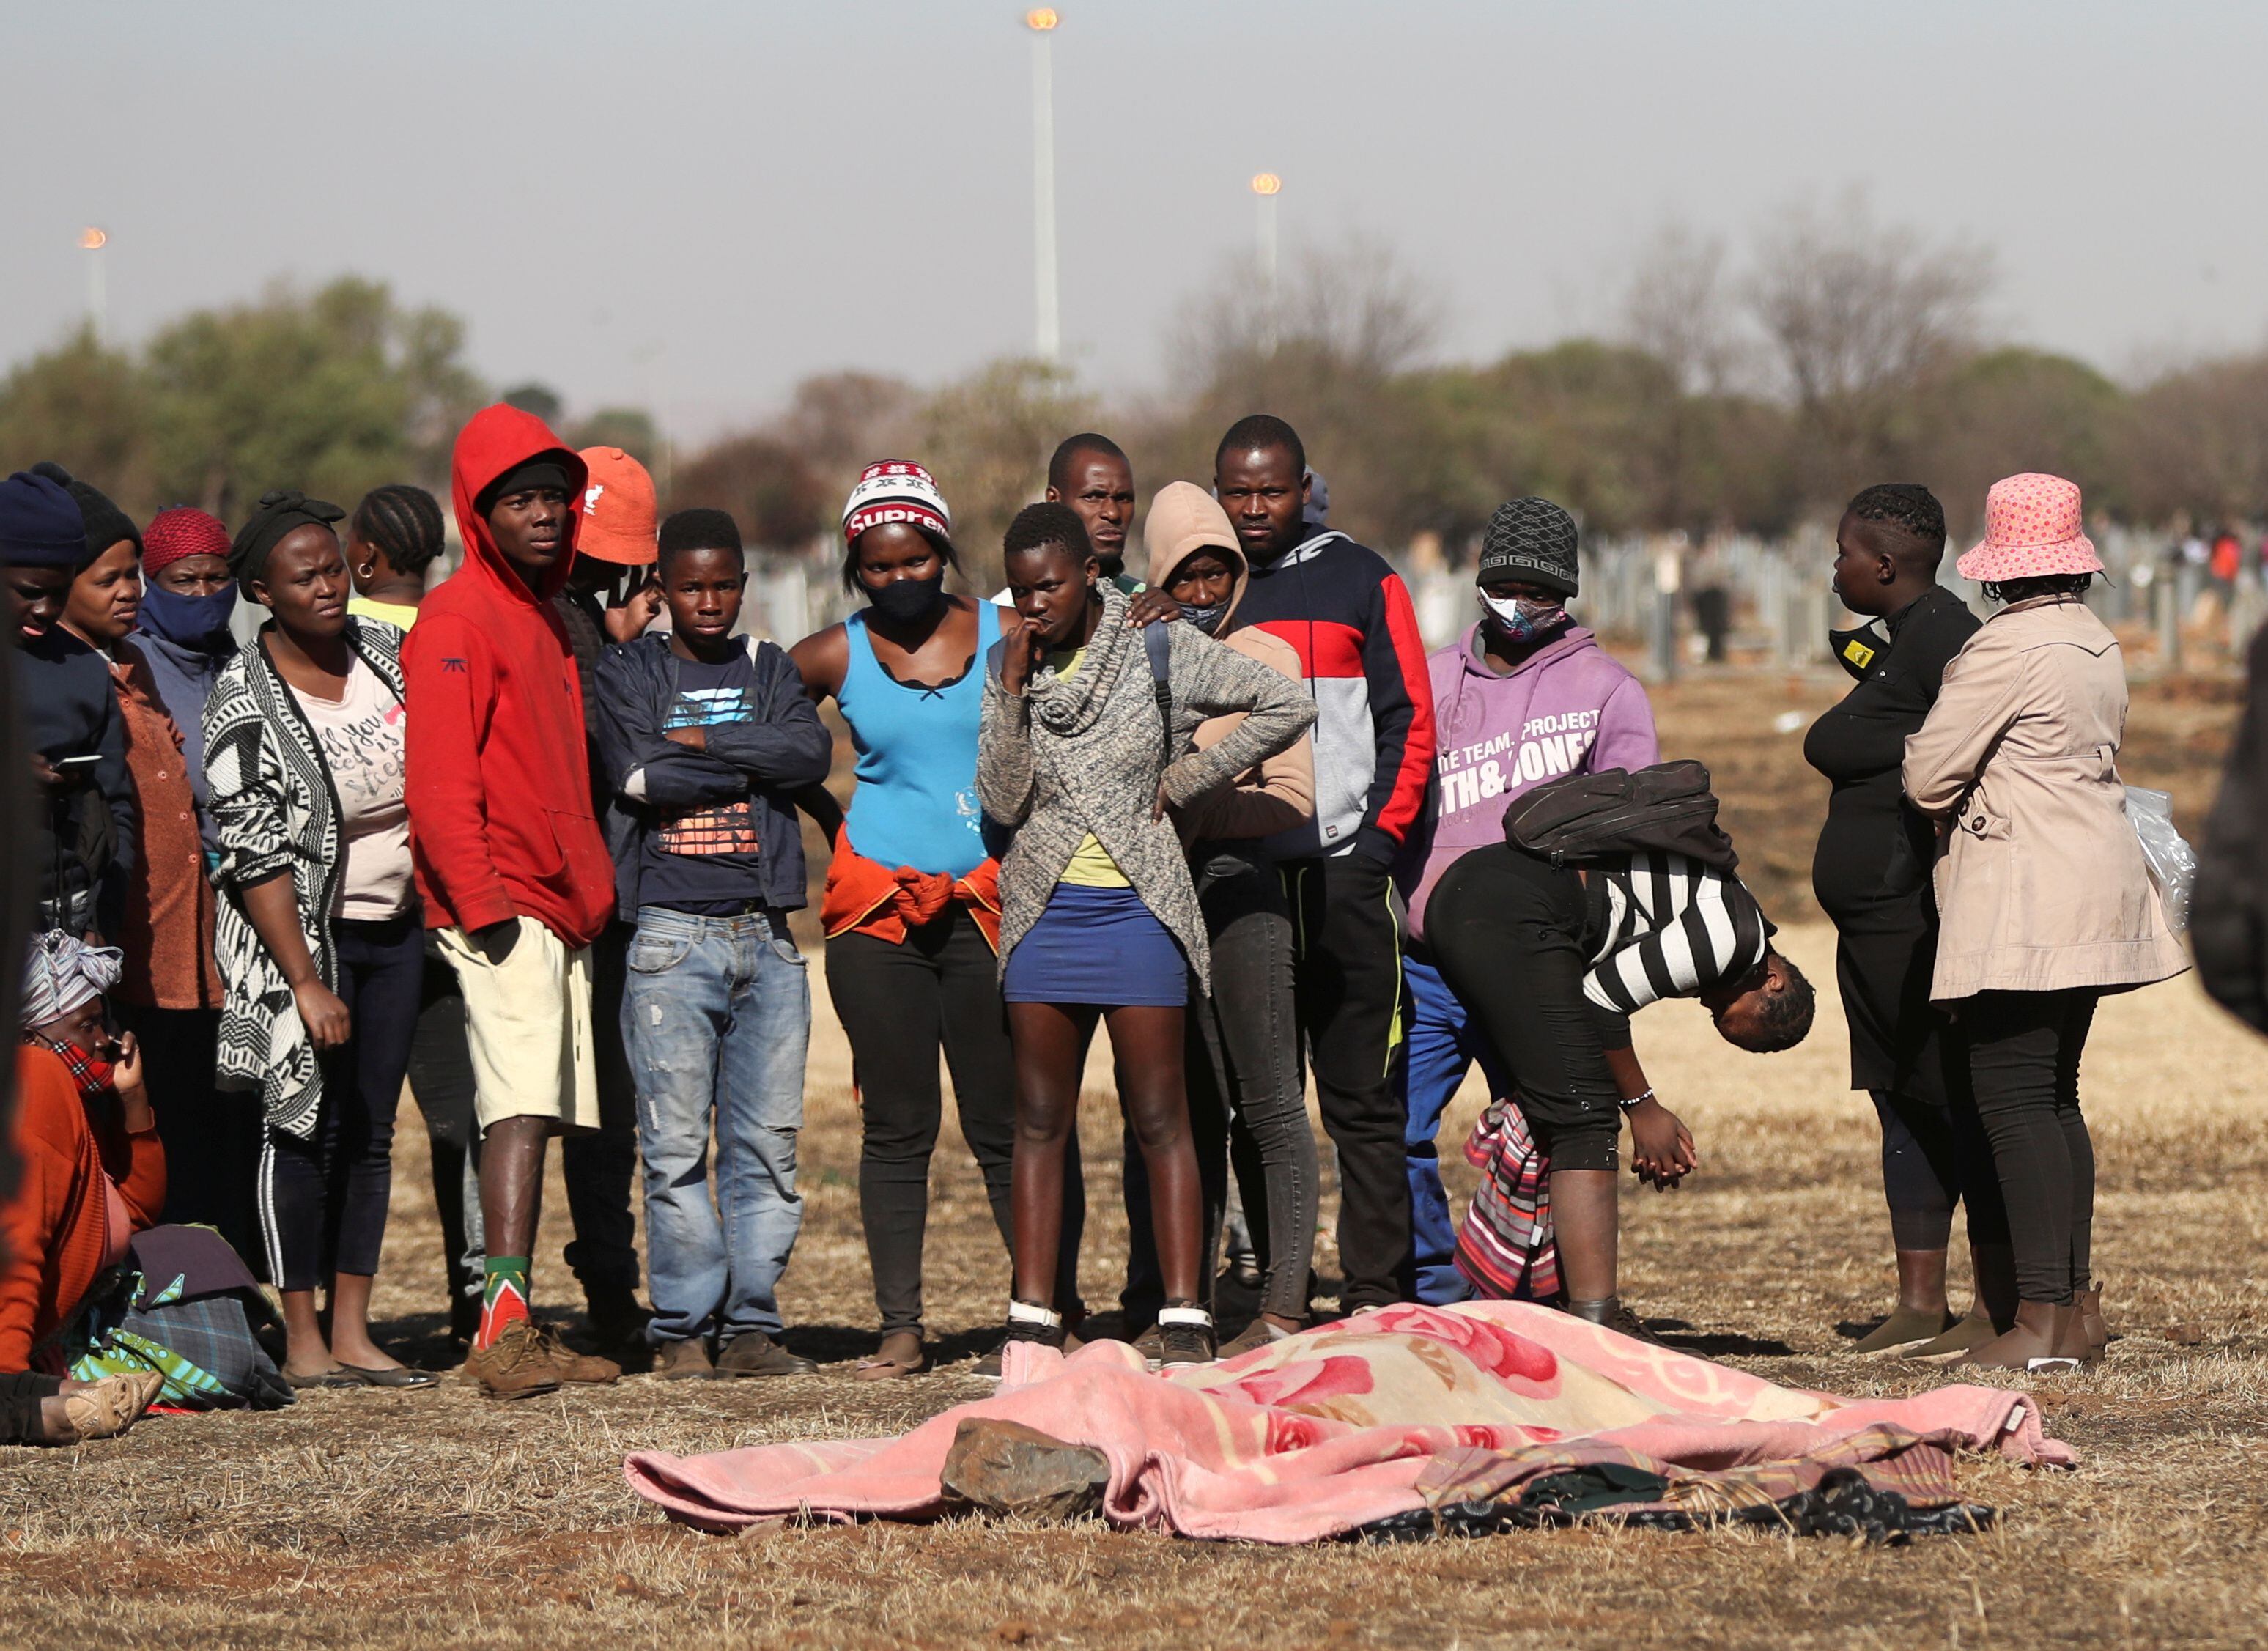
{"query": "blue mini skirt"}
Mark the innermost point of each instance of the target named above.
(1099, 946)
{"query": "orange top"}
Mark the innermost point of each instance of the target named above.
(55, 1231)
(864, 897)
(168, 934)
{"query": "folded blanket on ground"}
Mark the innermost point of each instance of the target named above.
(1404, 1408)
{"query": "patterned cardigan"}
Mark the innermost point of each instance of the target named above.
(276, 810)
(1084, 753)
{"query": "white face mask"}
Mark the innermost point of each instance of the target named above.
(1522, 619)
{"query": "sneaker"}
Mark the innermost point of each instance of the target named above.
(1609, 1313)
(1184, 1336)
(684, 1361)
(754, 1353)
(1258, 1333)
(514, 1366)
(571, 1366)
(1151, 1343)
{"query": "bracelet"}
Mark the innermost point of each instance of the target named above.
(1634, 1102)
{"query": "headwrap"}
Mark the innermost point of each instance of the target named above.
(40, 526)
(64, 972)
(106, 524)
(182, 531)
(543, 470)
(279, 513)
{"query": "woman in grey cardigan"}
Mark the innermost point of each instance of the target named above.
(1082, 749)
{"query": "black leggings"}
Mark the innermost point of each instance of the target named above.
(1934, 1156)
(1510, 936)
(2024, 1049)
(323, 1196)
(20, 1393)
(898, 1003)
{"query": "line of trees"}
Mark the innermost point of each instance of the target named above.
(1754, 391)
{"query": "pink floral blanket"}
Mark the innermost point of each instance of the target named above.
(1390, 1411)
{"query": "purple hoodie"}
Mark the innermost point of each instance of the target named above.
(1568, 708)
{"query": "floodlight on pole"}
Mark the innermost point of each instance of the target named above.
(1266, 187)
(1047, 318)
(92, 240)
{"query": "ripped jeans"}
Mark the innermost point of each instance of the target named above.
(715, 1020)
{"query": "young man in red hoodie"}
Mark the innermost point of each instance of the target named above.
(514, 872)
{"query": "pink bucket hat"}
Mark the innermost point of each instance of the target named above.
(2032, 528)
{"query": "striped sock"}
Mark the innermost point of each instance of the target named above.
(504, 1301)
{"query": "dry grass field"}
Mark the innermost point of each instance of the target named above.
(430, 1519)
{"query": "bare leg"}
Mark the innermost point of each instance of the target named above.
(1048, 1040)
(1147, 1042)
(306, 1352)
(350, 1342)
(1583, 1215)
(511, 1183)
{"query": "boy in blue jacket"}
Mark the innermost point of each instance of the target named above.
(703, 734)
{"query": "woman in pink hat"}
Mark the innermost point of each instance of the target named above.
(2044, 902)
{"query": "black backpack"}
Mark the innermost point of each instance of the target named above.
(1666, 809)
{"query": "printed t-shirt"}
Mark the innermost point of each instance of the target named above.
(361, 737)
(1091, 866)
(704, 860)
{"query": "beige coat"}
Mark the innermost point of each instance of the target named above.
(1279, 794)
(2041, 883)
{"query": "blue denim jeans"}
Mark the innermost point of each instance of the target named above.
(1440, 1045)
(715, 1019)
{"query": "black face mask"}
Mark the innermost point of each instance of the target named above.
(1206, 619)
(909, 601)
(1857, 651)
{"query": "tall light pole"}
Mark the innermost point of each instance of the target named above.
(93, 240)
(1266, 187)
(1047, 321)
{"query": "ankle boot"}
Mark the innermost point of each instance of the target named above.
(2044, 1338)
(1609, 1312)
(2092, 1325)
(1904, 1328)
(1963, 1336)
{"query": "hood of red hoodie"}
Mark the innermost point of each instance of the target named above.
(495, 440)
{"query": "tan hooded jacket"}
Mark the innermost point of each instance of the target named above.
(1280, 794)
(2041, 884)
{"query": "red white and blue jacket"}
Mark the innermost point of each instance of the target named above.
(1347, 615)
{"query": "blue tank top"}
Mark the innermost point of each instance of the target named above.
(915, 804)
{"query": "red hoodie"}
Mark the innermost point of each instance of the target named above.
(499, 784)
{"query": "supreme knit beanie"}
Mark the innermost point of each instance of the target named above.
(105, 523)
(896, 490)
(1530, 541)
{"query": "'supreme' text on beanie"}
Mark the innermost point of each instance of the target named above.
(40, 526)
(182, 531)
(106, 524)
(896, 491)
(1531, 541)
(620, 513)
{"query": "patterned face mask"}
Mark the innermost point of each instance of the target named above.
(1522, 620)
(89, 1072)
(1206, 619)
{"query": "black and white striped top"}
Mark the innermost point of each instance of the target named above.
(1675, 928)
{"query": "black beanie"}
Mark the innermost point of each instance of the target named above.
(105, 523)
(700, 530)
(545, 470)
(1531, 541)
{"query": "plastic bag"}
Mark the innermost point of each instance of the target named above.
(2172, 862)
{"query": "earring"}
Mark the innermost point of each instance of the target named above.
(366, 570)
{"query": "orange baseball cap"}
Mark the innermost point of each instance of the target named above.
(620, 518)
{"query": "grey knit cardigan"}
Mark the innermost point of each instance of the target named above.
(1083, 752)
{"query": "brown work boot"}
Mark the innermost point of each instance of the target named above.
(686, 1361)
(754, 1353)
(514, 1366)
(576, 1366)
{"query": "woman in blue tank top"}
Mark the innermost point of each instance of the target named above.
(912, 909)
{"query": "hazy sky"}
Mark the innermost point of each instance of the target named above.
(694, 205)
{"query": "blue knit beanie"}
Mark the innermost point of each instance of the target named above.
(40, 524)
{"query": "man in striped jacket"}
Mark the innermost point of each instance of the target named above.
(1552, 962)
(1346, 613)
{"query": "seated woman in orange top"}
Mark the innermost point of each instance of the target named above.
(93, 1171)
